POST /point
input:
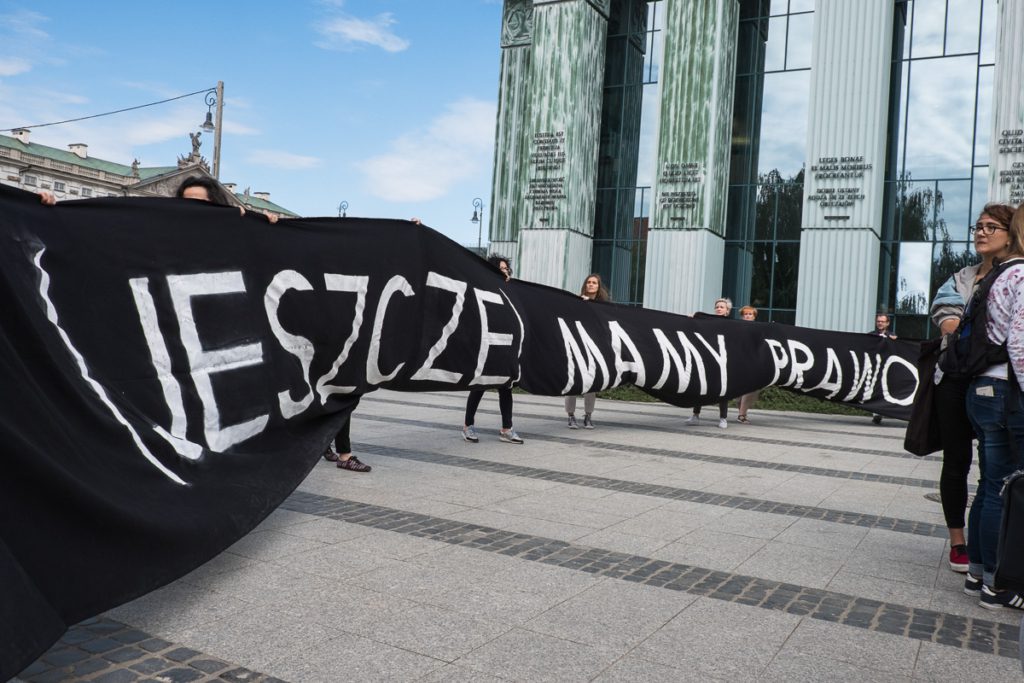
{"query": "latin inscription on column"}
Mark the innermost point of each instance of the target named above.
(1011, 175)
(547, 155)
(679, 187)
(847, 169)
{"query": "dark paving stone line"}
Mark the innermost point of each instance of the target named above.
(952, 630)
(869, 521)
(697, 431)
(686, 455)
(102, 649)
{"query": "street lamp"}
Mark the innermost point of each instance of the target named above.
(478, 218)
(342, 208)
(215, 98)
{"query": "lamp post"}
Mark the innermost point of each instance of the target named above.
(342, 208)
(215, 98)
(478, 218)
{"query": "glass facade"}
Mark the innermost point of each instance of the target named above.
(766, 172)
(627, 153)
(936, 163)
(936, 176)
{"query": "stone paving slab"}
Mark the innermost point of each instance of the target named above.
(796, 548)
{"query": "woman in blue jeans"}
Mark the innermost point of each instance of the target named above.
(996, 410)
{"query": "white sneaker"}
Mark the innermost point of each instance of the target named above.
(723, 424)
(692, 420)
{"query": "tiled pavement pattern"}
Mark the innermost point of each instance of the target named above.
(796, 548)
(107, 651)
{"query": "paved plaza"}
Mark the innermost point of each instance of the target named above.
(796, 548)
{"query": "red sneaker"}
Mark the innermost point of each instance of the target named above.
(958, 561)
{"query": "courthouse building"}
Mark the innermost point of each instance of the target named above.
(819, 159)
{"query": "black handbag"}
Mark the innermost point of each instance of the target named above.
(1010, 555)
(922, 436)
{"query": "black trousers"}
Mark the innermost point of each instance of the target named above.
(343, 440)
(504, 403)
(957, 452)
(723, 409)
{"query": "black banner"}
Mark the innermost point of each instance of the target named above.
(172, 370)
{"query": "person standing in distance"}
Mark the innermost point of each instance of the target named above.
(593, 290)
(507, 434)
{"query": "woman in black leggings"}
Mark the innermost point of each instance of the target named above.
(507, 434)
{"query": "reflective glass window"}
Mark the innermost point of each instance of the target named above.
(936, 173)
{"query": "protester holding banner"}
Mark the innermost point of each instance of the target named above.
(955, 429)
(747, 401)
(996, 409)
(209, 190)
(340, 450)
(507, 434)
(723, 307)
(592, 290)
(883, 321)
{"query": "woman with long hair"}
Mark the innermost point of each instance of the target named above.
(593, 289)
(955, 431)
(996, 409)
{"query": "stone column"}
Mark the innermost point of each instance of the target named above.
(562, 134)
(510, 136)
(685, 244)
(843, 186)
(1006, 146)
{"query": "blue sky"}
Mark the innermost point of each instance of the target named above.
(386, 104)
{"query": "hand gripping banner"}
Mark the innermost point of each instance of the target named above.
(171, 371)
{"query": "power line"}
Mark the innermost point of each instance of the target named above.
(118, 111)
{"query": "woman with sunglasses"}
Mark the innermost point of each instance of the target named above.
(991, 242)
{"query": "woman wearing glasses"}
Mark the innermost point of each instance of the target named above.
(996, 410)
(991, 241)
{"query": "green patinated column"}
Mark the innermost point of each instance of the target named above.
(686, 245)
(561, 137)
(510, 137)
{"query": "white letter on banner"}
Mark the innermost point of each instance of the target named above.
(683, 367)
(574, 357)
(721, 358)
(636, 365)
(161, 359)
(373, 373)
(866, 380)
(296, 345)
(488, 339)
(797, 366)
(885, 381)
(357, 284)
(428, 371)
(833, 378)
(779, 357)
(203, 364)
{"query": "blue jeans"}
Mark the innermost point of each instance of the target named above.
(1002, 452)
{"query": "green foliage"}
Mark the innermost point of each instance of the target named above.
(772, 398)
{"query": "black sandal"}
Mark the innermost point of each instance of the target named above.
(354, 464)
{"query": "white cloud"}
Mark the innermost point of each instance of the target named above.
(345, 32)
(425, 164)
(12, 66)
(25, 23)
(282, 160)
